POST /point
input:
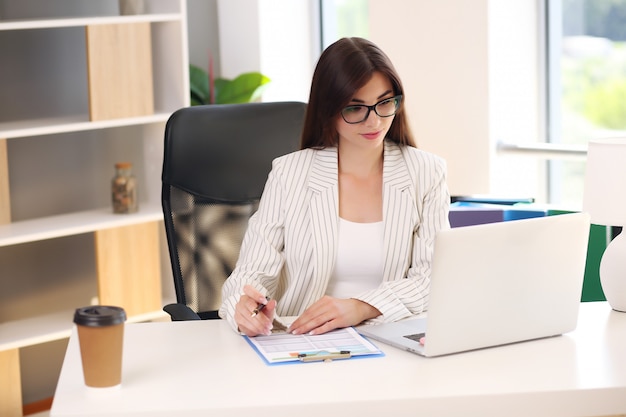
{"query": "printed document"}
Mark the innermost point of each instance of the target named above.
(286, 347)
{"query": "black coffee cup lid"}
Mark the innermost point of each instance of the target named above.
(97, 316)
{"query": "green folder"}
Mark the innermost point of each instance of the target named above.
(598, 241)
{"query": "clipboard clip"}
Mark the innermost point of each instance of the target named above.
(324, 356)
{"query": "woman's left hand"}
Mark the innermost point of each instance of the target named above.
(329, 313)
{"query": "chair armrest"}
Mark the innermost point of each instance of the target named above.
(180, 312)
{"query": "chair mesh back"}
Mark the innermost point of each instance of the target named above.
(208, 237)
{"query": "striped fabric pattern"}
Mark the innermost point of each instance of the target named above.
(289, 249)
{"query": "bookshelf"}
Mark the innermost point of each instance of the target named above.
(64, 122)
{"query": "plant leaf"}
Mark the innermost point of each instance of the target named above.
(243, 89)
(198, 85)
(219, 84)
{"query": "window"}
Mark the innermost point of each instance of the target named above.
(586, 44)
(342, 18)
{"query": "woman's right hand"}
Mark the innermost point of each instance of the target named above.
(261, 323)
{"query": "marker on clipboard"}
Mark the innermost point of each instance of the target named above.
(324, 356)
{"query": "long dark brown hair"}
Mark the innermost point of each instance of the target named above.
(342, 69)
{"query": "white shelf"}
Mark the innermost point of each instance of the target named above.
(51, 126)
(47, 55)
(73, 224)
(55, 326)
(84, 21)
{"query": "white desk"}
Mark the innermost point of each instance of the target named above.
(205, 369)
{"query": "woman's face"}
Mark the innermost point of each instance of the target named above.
(371, 132)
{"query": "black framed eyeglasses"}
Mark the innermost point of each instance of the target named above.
(360, 112)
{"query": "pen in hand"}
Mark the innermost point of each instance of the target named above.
(259, 308)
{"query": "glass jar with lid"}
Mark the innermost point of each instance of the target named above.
(124, 189)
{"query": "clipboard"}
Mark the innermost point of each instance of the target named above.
(339, 344)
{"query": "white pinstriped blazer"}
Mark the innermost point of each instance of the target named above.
(290, 246)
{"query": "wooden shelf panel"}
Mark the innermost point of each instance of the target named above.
(50, 327)
(84, 21)
(74, 223)
(51, 126)
(119, 67)
(128, 267)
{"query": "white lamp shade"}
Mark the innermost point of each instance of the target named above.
(605, 182)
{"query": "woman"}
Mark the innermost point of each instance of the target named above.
(345, 227)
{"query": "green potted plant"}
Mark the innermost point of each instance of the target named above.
(244, 88)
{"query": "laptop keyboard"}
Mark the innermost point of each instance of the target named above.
(416, 337)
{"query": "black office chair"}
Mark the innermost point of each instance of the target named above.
(216, 162)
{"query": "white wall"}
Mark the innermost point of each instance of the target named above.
(279, 38)
(515, 83)
(469, 68)
(440, 50)
(203, 29)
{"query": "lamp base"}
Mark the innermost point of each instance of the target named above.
(613, 273)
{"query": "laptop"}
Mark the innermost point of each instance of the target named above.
(496, 284)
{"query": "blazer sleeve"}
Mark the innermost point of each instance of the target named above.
(403, 296)
(260, 258)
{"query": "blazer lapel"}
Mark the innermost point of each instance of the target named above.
(324, 209)
(398, 212)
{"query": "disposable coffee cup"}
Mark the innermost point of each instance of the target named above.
(101, 338)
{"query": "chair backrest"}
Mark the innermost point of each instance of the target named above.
(216, 162)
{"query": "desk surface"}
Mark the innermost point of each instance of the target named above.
(202, 368)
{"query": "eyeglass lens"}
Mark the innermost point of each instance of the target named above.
(384, 108)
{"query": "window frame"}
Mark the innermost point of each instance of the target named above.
(549, 146)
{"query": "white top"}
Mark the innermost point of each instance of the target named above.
(359, 265)
(201, 367)
(290, 246)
